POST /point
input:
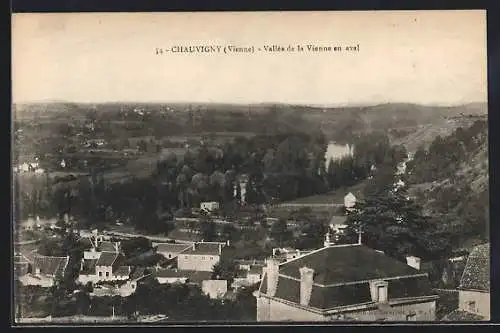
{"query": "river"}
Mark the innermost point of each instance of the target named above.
(336, 151)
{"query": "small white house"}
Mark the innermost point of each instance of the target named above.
(349, 200)
(209, 206)
(214, 288)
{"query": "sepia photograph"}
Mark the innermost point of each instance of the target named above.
(249, 167)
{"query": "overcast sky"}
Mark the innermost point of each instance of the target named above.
(424, 57)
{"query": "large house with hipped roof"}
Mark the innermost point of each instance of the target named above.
(344, 282)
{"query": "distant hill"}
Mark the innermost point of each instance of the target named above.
(407, 124)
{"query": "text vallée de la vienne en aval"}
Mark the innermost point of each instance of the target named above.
(274, 48)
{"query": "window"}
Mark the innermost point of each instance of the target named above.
(169, 256)
(411, 317)
(185, 257)
(107, 274)
(202, 258)
(211, 258)
(100, 273)
(472, 306)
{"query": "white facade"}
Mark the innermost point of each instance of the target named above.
(197, 262)
(214, 288)
(349, 200)
(476, 302)
(209, 206)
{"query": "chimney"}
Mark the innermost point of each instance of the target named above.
(413, 262)
(117, 247)
(220, 248)
(306, 283)
(272, 270)
(194, 246)
(227, 243)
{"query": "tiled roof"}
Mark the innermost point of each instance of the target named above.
(89, 266)
(338, 269)
(351, 294)
(123, 271)
(192, 276)
(341, 264)
(459, 315)
(204, 248)
(171, 248)
(107, 259)
(476, 275)
(108, 246)
(50, 265)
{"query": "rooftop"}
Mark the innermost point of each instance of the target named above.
(106, 246)
(343, 264)
(342, 275)
(476, 275)
(107, 259)
(89, 266)
(123, 271)
(205, 248)
(192, 276)
(50, 265)
(169, 247)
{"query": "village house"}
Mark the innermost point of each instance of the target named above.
(210, 206)
(45, 270)
(203, 279)
(248, 276)
(200, 256)
(349, 201)
(103, 263)
(214, 288)
(107, 267)
(119, 288)
(171, 250)
(474, 288)
(245, 265)
(338, 224)
(344, 282)
(170, 276)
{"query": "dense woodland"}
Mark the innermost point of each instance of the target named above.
(438, 220)
(278, 167)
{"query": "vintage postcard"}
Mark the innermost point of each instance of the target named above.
(257, 167)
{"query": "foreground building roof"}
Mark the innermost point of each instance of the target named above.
(51, 266)
(342, 276)
(476, 275)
